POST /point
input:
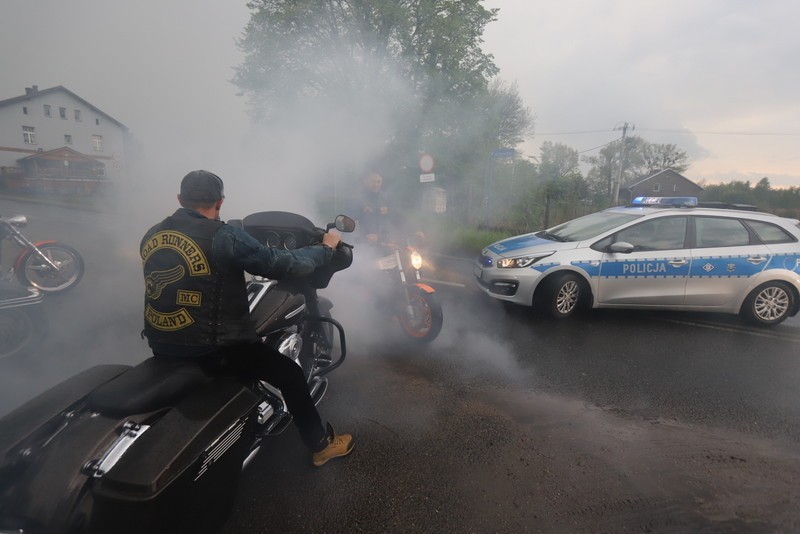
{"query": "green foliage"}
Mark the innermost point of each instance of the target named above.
(410, 72)
(357, 53)
(658, 157)
(450, 238)
(785, 202)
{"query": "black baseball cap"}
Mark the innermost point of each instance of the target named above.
(202, 186)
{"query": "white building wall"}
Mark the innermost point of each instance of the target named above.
(50, 131)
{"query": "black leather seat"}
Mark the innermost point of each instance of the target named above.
(153, 384)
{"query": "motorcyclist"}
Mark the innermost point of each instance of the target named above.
(374, 213)
(196, 300)
(383, 229)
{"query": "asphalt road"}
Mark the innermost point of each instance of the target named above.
(613, 421)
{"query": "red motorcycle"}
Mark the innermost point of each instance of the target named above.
(49, 266)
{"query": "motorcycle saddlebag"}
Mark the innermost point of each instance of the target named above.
(18, 425)
(181, 474)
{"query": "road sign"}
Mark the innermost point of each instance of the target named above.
(426, 163)
(503, 153)
(429, 177)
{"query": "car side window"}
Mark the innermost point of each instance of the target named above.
(720, 232)
(770, 233)
(664, 233)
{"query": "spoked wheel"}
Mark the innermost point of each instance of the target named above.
(561, 297)
(34, 271)
(423, 321)
(768, 304)
(21, 330)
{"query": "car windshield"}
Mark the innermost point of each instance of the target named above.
(588, 226)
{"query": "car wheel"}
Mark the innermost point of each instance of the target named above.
(561, 297)
(768, 304)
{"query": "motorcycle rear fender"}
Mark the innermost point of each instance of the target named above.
(26, 251)
(426, 288)
(20, 424)
(182, 473)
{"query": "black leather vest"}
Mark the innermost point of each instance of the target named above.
(189, 299)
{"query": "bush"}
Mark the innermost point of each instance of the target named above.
(449, 238)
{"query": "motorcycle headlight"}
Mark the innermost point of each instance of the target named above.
(416, 260)
(520, 261)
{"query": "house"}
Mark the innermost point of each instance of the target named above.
(666, 183)
(54, 141)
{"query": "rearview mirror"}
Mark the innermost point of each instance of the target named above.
(20, 221)
(344, 223)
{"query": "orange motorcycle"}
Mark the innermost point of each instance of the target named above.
(413, 302)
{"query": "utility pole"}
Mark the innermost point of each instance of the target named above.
(618, 182)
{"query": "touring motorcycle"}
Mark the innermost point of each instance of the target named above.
(49, 266)
(159, 447)
(412, 301)
(23, 324)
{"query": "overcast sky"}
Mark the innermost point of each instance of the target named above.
(719, 78)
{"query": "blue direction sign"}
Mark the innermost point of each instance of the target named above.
(503, 153)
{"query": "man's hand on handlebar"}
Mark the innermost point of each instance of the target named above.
(331, 240)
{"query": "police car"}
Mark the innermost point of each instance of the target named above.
(658, 253)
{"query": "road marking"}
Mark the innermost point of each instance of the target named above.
(442, 282)
(771, 335)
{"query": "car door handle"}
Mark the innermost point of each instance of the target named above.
(755, 260)
(678, 262)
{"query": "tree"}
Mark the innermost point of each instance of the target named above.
(405, 60)
(557, 160)
(762, 193)
(735, 192)
(563, 184)
(658, 157)
(604, 170)
(492, 119)
(507, 118)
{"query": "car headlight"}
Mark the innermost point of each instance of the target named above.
(416, 260)
(520, 261)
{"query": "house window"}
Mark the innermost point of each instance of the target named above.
(47, 110)
(77, 115)
(97, 122)
(675, 188)
(656, 188)
(67, 139)
(24, 110)
(62, 112)
(29, 135)
(97, 143)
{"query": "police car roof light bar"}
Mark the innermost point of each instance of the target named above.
(672, 202)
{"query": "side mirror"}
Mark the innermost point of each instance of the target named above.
(343, 223)
(18, 220)
(621, 247)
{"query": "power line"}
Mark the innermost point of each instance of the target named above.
(664, 130)
(712, 132)
(600, 146)
(572, 133)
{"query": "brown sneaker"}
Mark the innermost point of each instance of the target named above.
(340, 445)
